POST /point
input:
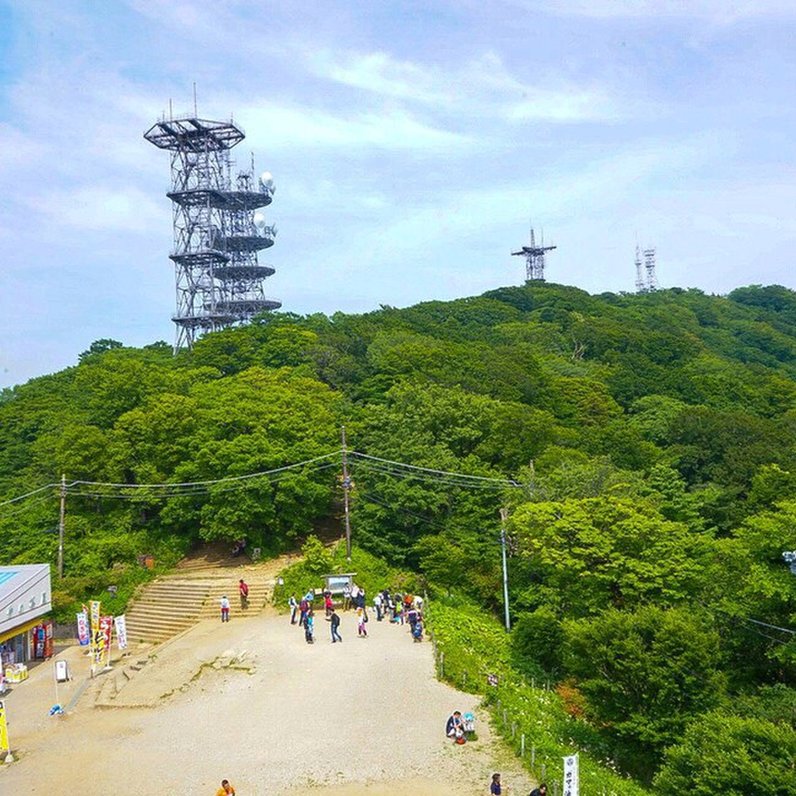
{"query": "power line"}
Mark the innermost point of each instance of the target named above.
(209, 482)
(163, 494)
(466, 476)
(27, 494)
(429, 478)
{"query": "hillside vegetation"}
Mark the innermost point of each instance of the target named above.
(646, 451)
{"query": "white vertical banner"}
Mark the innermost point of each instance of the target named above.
(121, 631)
(571, 781)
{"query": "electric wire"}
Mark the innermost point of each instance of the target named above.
(503, 481)
(27, 494)
(417, 476)
(209, 482)
(200, 490)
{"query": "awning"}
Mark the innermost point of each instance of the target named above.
(23, 628)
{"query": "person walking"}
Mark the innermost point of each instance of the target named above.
(309, 627)
(362, 631)
(293, 605)
(495, 788)
(335, 620)
(226, 789)
(243, 589)
(224, 609)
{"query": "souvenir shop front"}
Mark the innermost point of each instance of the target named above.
(25, 600)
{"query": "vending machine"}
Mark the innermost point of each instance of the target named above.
(43, 640)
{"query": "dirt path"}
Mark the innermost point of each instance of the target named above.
(362, 717)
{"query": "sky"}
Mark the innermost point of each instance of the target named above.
(412, 143)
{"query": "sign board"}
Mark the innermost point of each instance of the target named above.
(61, 672)
(571, 779)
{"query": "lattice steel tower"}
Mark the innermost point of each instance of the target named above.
(534, 258)
(646, 278)
(218, 227)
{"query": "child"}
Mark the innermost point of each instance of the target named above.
(494, 787)
(361, 629)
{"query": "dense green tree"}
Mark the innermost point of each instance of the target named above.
(645, 674)
(722, 753)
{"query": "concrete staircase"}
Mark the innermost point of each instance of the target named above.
(175, 602)
(165, 607)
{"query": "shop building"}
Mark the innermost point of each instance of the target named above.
(25, 599)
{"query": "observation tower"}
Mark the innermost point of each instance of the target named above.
(219, 227)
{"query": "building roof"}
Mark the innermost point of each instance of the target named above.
(25, 594)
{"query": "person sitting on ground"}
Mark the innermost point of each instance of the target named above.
(454, 728)
(494, 786)
(540, 791)
(226, 789)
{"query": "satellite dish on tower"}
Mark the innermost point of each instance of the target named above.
(259, 221)
(267, 180)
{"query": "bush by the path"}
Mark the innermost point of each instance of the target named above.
(470, 645)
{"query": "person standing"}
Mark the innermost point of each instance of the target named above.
(309, 627)
(243, 589)
(224, 609)
(377, 605)
(335, 620)
(327, 603)
(304, 606)
(346, 596)
(293, 605)
(226, 789)
(361, 629)
(494, 787)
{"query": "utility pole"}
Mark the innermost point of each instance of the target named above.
(504, 513)
(346, 489)
(61, 523)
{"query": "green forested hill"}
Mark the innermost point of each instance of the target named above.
(650, 439)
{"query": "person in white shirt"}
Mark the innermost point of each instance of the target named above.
(224, 609)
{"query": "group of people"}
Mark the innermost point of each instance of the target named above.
(243, 592)
(396, 608)
(496, 788)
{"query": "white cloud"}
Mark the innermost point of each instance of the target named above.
(101, 208)
(481, 86)
(718, 11)
(281, 126)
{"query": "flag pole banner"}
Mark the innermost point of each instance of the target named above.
(4, 745)
(571, 779)
(121, 631)
(83, 635)
(95, 617)
(106, 630)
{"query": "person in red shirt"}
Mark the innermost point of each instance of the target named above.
(243, 588)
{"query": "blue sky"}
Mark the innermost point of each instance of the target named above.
(411, 142)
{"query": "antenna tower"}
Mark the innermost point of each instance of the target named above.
(649, 267)
(646, 279)
(534, 258)
(219, 227)
(641, 285)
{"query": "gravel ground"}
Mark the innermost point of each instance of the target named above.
(363, 717)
